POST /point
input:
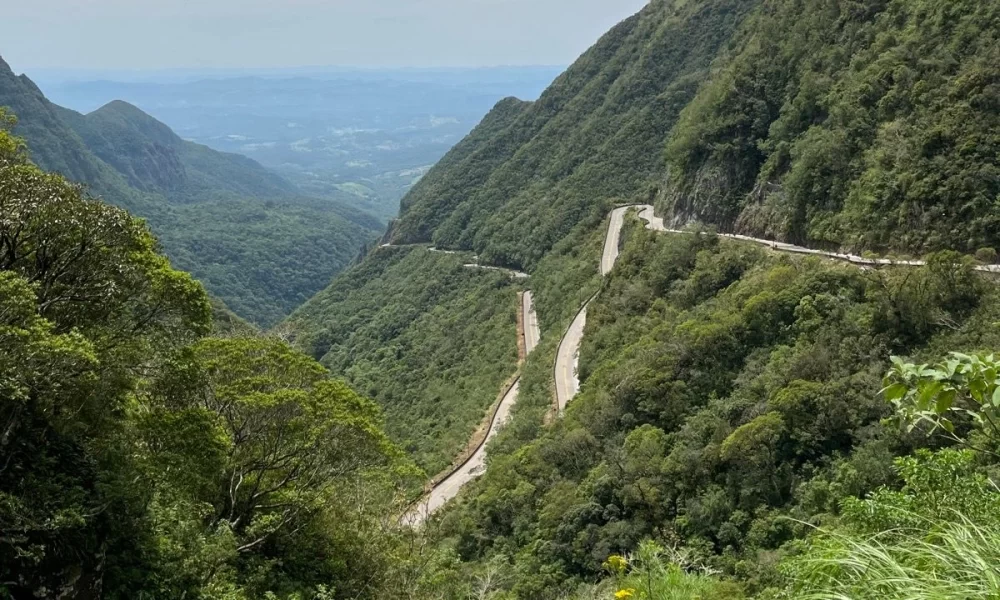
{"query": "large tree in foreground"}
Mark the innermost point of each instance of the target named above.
(88, 308)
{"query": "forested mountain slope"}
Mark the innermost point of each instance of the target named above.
(143, 457)
(595, 136)
(869, 124)
(155, 159)
(238, 228)
(528, 188)
(730, 396)
(429, 338)
(54, 144)
(834, 122)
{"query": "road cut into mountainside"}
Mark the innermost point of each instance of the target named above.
(568, 356)
(453, 482)
(566, 371)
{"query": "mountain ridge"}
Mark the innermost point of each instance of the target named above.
(248, 234)
(597, 132)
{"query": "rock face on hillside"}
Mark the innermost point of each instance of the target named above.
(857, 123)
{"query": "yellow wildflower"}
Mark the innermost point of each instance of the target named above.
(616, 564)
(624, 594)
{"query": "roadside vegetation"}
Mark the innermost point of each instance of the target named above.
(140, 457)
(431, 340)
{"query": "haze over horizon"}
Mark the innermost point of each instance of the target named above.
(233, 34)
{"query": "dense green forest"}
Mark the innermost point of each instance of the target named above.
(429, 339)
(241, 230)
(736, 435)
(731, 401)
(143, 455)
(862, 124)
(750, 424)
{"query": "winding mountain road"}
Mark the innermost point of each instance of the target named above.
(567, 380)
(567, 360)
(568, 355)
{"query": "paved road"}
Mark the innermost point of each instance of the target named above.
(476, 465)
(567, 361)
(470, 470)
(511, 272)
(656, 224)
(613, 239)
(568, 356)
(532, 332)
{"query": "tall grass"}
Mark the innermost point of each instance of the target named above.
(960, 560)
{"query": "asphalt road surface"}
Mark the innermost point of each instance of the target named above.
(532, 333)
(476, 465)
(470, 470)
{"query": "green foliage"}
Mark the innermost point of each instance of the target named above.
(262, 258)
(960, 391)
(432, 341)
(86, 303)
(856, 123)
(139, 459)
(267, 454)
(653, 573)
(935, 538)
(725, 390)
(987, 256)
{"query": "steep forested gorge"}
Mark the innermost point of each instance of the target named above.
(432, 339)
(736, 432)
(731, 397)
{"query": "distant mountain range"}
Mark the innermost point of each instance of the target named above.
(363, 137)
(247, 233)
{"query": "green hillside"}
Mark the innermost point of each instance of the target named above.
(429, 339)
(240, 229)
(154, 159)
(56, 147)
(864, 124)
(531, 172)
(751, 422)
(731, 396)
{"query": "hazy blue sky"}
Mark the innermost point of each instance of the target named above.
(150, 34)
